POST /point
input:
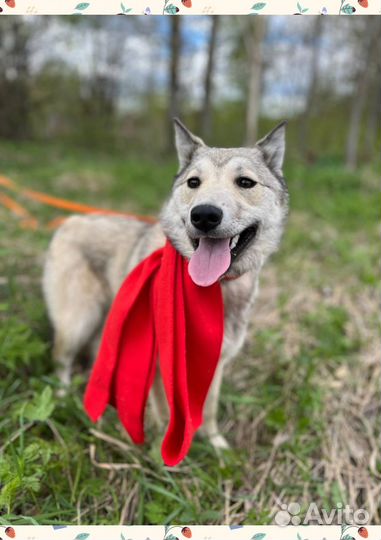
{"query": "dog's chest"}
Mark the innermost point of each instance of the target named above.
(239, 296)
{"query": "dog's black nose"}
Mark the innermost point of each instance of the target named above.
(206, 217)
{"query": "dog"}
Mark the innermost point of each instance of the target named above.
(226, 214)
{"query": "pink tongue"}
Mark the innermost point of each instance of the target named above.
(210, 260)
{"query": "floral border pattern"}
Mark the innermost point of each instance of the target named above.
(192, 532)
(191, 7)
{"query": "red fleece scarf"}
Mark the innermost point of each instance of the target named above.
(159, 312)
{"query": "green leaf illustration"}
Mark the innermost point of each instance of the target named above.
(258, 536)
(82, 6)
(171, 9)
(259, 6)
(82, 536)
(348, 9)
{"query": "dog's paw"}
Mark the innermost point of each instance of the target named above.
(62, 392)
(219, 442)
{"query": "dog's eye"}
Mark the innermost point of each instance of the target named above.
(193, 182)
(245, 183)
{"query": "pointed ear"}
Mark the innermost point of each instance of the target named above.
(186, 143)
(273, 146)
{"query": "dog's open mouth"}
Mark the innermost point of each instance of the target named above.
(240, 242)
(213, 256)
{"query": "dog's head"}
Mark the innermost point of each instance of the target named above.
(228, 205)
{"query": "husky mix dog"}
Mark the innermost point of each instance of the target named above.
(226, 213)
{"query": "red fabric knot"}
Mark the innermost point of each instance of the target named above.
(159, 313)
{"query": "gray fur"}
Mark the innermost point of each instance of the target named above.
(186, 143)
(273, 146)
(89, 256)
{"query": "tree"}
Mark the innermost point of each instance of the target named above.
(206, 109)
(14, 76)
(373, 128)
(363, 76)
(175, 43)
(313, 42)
(254, 37)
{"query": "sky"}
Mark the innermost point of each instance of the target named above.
(136, 52)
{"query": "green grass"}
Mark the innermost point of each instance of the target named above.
(307, 373)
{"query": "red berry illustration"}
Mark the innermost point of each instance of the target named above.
(185, 531)
(10, 3)
(363, 532)
(9, 531)
(187, 3)
(363, 3)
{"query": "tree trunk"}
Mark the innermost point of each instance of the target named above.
(14, 91)
(206, 110)
(254, 38)
(174, 75)
(374, 122)
(374, 113)
(313, 42)
(360, 94)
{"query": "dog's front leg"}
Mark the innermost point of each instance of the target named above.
(235, 333)
(209, 427)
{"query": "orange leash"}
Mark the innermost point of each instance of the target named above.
(27, 220)
(55, 202)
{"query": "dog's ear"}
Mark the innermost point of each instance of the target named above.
(273, 147)
(186, 143)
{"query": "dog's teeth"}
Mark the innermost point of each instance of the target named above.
(234, 241)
